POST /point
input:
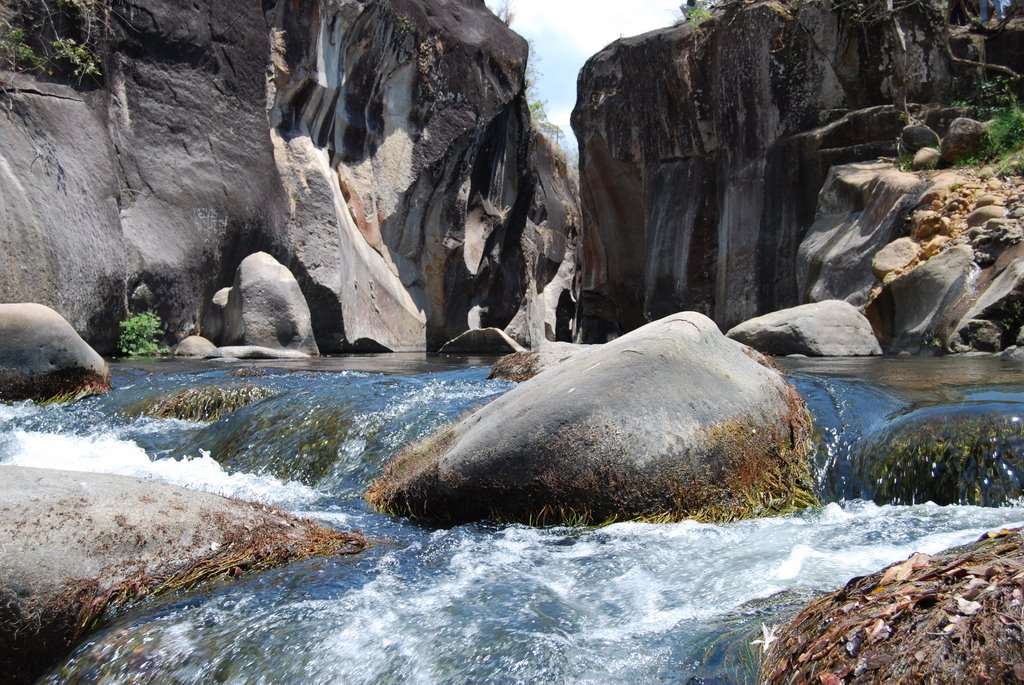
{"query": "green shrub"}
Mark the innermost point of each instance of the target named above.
(140, 335)
(1006, 135)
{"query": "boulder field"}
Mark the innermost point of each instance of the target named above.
(713, 435)
(77, 545)
(381, 151)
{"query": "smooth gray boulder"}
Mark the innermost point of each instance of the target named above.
(77, 544)
(215, 316)
(482, 341)
(670, 421)
(43, 357)
(266, 308)
(194, 346)
(996, 317)
(833, 328)
(254, 352)
(918, 310)
(917, 137)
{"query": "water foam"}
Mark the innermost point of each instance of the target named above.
(106, 453)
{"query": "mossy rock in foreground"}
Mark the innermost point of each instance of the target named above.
(957, 617)
(78, 545)
(963, 454)
(669, 422)
(205, 403)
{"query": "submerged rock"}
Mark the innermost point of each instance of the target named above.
(960, 454)
(42, 357)
(949, 618)
(824, 329)
(78, 545)
(207, 403)
(671, 421)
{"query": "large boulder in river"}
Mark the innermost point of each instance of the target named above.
(833, 328)
(954, 617)
(43, 357)
(266, 308)
(76, 545)
(671, 421)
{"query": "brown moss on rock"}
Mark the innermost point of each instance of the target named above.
(957, 617)
(206, 403)
(65, 385)
(79, 546)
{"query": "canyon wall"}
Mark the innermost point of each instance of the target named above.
(382, 150)
(703, 150)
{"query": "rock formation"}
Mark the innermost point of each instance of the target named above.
(76, 544)
(833, 328)
(42, 357)
(266, 308)
(389, 163)
(613, 433)
(699, 186)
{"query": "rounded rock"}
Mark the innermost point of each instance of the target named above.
(42, 357)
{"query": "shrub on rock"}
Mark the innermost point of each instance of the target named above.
(671, 421)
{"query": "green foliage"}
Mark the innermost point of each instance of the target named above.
(140, 335)
(15, 52)
(82, 60)
(55, 37)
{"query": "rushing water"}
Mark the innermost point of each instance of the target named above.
(627, 603)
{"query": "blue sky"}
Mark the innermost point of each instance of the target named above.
(567, 32)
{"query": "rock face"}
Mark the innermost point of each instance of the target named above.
(861, 208)
(77, 543)
(266, 308)
(397, 175)
(42, 356)
(928, 619)
(912, 312)
(833, 328)
(698, 186)
(613, 433)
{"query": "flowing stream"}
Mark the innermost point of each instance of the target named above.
(627, 603)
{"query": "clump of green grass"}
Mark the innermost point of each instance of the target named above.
(207, 403)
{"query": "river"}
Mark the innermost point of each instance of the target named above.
(626, 603)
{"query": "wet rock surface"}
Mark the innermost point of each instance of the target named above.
(77, 545)
(578, 442)
(701, 202)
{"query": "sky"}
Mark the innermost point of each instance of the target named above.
(565, 33)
